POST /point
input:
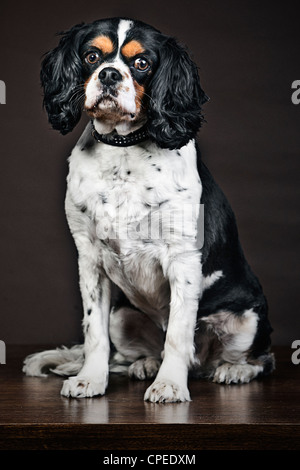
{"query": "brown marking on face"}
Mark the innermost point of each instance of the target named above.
(139, 94)
(103, 43)
(132, 48)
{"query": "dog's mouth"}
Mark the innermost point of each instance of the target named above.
(105, 101)
(106, 106)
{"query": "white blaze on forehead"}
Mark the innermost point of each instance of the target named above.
(124, 27)
(125, 97)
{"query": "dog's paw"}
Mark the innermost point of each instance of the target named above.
(166, 391)
(236, 373)
(81, 387)
(145, 368)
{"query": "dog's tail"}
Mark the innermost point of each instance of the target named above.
(60, 361)
(66, 362)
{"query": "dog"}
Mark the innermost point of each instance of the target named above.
(157, 302)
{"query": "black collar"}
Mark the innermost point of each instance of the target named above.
(121, 140)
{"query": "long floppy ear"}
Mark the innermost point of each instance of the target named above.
(176, 98)
(61, 78)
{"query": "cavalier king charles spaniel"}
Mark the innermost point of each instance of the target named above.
(167, 292)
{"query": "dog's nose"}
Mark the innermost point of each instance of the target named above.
(109, 76)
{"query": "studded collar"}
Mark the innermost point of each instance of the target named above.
(117, 140)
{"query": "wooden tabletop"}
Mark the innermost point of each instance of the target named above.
(264, 414)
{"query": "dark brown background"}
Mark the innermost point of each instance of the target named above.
(248, 54)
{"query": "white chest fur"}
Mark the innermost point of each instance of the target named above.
(133, 199)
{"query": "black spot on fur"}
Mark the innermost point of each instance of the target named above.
(163, 202)
(103, 198)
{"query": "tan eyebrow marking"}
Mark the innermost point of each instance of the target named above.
(104, 43)
(132, 48)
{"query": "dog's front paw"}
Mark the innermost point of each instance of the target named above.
(81, 387)
(166, 391)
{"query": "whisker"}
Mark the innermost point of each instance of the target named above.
(78, 95)
(148, 96)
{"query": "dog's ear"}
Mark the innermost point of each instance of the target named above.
(174, 110)
(61, 79)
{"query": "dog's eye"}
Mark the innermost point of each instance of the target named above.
(92, 58)
(141, 64)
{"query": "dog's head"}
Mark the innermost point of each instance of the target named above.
(124, 74)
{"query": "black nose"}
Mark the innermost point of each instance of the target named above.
(109, 76)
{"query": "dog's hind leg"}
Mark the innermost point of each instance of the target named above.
(226, 351)
(139, 343)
